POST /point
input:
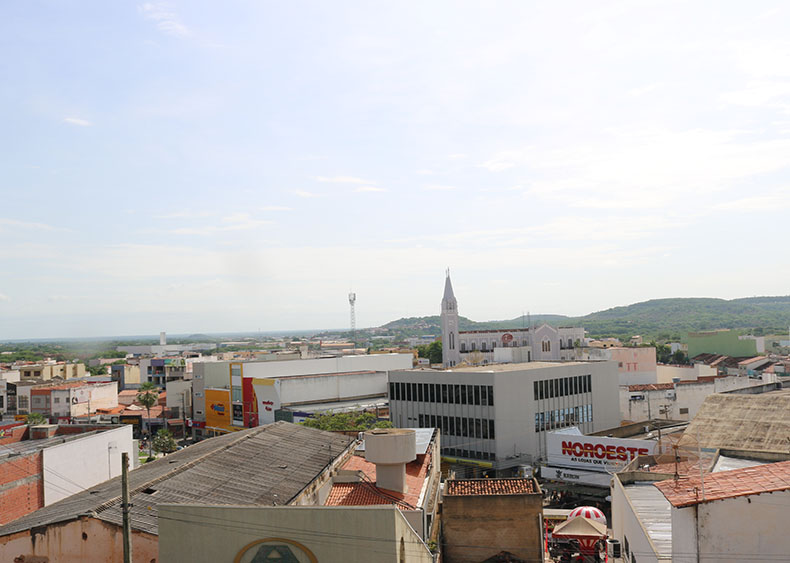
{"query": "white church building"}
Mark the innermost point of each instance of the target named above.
(544, 343)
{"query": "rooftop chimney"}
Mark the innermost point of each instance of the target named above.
(391, 449)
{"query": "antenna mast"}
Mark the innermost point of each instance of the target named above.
(352, 300)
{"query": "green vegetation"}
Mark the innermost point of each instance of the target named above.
(164, 442)
(660, 319)
(357, 421)
(148, 396)
(35, 418)
(432, 351)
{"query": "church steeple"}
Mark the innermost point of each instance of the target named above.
(450, 354)
(449, 296)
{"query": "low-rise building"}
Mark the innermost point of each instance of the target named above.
(483, 517)
(44, 464)
(50, 370)
(280, 464)
(680, 400)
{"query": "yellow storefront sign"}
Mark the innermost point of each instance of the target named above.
(218, 408)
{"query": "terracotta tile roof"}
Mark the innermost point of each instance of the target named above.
(462, 487)
(767, 478)
(366, 493)
(650, 386)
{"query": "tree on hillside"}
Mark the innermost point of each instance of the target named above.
(148, 396)
(432, 351)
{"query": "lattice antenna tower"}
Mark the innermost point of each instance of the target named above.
(352, 301)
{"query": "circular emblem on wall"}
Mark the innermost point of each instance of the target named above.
(277, 550)
(507, 337)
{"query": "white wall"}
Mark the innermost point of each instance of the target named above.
(323, 388)
(688, 396)
(686, 373)
(83, 462)
(375, 362)
(734, 529)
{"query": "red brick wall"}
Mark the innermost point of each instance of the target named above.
(21, 486)
(14, 434)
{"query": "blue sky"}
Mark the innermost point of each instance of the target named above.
(192, 167)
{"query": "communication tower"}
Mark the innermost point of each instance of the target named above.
(352, 300)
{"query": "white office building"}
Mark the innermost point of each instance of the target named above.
(527, 344)
(498, 416)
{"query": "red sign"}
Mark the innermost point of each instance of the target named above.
(601, 451)
(196, 423)
(507, 337)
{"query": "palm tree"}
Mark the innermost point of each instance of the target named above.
(148, 396)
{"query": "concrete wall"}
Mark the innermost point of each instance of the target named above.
(351, 534)
(179, 395)
(666, 373)
(78, 541)
(635, 365)
(688, 398)
(742, 529)
(78, 464)
(478, 527)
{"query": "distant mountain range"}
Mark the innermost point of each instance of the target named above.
(657, 318)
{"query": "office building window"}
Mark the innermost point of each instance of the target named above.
(432, 388)
(419, 394)
(491, 395)
(477, 394)
(491, 433)
(463, 394)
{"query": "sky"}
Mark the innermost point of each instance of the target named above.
(209, 167)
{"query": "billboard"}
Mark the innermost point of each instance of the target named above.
(218, 408)
(594, 453)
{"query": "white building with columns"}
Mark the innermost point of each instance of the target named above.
(543, 343)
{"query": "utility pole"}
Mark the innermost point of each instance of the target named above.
(184, 416)
(125, 506)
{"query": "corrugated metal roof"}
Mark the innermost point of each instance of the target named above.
(725, 463)
(655, 513)
(268, 465)
(741, 422)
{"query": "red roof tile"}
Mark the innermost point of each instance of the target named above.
(517, 486)
(767, 478)
(366, 493)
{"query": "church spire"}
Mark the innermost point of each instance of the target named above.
(448, 288)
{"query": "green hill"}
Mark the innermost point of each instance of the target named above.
(657, 318)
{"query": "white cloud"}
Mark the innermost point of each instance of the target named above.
(26, 225)
(343, 180)
(4, 297)
(167, 21)
(438, 187)
(184, 214)
(235, 222)
(370, 189)
(305, 194)
(760, 203)
(275, 208)
(77, 121)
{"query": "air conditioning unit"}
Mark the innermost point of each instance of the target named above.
(671, 395)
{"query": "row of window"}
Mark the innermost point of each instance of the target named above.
(471, 454)
(484, 345)
(482, 428)
(561, 387)
(560, 418)
(442, 393)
